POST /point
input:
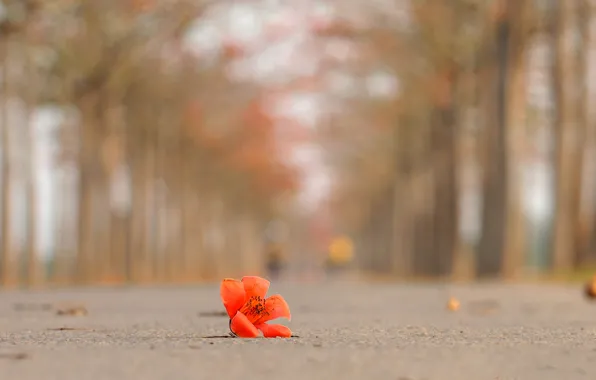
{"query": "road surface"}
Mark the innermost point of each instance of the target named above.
(346, 331)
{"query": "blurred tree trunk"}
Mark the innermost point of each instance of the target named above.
(159, 205)
(107, 149)
(116, 162)
(502, 243)
(150, 187)
(213, 261)
(177, 246)
(401, 246)
(591, 122)
(422, 193)
(396, 256)
(567, 136)
(585, 132)
(495, 174)
(60, 261)
(230, 259)
(515, 231)
(414, 192)
(251, 238)
(444, 142)
(379, 237)
(191, 226)
(33, 270)
(137, 152)
(468, 156)
(366, 240)
(514, 248)
(171, 174)
(94, 197)
(7, 259)
(206, 261)
(119, 246)
(386, 233)
(86, 162)
(186, 210)
(65, 256)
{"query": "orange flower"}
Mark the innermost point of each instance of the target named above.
(249, 310)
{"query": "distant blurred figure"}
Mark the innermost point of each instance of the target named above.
(340, 254)
(275, 260)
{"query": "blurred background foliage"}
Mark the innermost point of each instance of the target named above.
(182, 141)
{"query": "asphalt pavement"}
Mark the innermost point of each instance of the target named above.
(346, 330)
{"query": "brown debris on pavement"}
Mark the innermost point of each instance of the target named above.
(76, 311)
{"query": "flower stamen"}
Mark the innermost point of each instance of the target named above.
(255, 308)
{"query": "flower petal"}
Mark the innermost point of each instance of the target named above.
(275, 307)
(241, 326)
(274, 331)
(232, 295)
(255, 286)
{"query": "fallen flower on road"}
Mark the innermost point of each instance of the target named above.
(590, 288)
(249, 310)
(453, 304)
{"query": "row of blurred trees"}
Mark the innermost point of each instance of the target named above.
(463, 105)
(197, 153)
(143, 116)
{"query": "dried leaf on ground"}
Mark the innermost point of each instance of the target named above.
(76, 311)
(68, 329)
(14, 355)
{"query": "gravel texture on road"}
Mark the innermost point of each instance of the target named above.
(346, 331)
